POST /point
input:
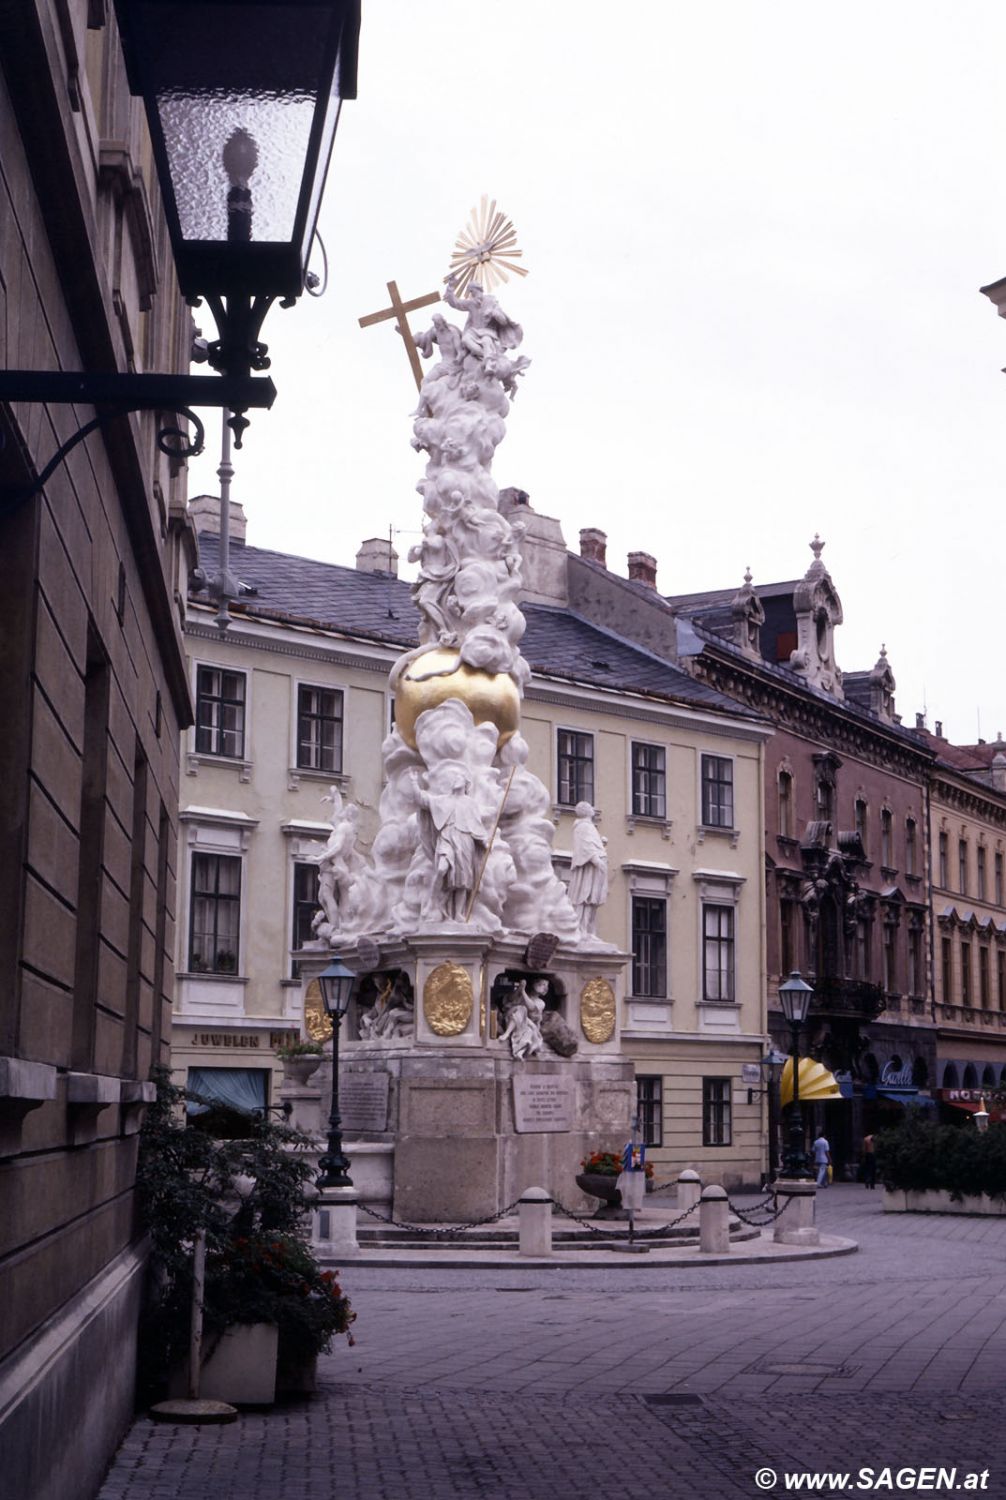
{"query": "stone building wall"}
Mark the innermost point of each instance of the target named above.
(94, 695)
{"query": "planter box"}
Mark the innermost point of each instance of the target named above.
(939, 1201)
(241, 1368)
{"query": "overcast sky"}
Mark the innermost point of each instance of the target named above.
(755, 234)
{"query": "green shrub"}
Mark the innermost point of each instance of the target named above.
(920, 1156)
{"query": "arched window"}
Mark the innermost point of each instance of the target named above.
(970, 1076)
(950, 1078)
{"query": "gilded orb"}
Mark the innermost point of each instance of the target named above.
(434, 677)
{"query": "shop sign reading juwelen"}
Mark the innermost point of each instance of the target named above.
(242, 1039)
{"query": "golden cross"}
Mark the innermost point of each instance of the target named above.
(398, 310)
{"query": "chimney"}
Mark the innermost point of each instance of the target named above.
(377, 555)
(938, 729)
(643, 569)
(594, 545)
(920, 720)
(204, 511)
(999, 771)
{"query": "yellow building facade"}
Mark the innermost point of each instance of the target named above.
(294, 700)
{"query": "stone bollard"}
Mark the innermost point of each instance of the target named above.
(334, 1221)
(535, 1209)
(714, 1226)
(796, 1225)
(689, 1191)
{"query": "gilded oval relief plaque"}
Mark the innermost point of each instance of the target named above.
(597, 1010)
(317, 1021)
(448, 999)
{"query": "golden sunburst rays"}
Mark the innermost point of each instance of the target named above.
(486, 249)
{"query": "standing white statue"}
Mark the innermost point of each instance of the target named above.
(456, 829)
(588, 879)
(338, 863)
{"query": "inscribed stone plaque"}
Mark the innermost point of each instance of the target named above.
(363, 1101)
(543, 1102)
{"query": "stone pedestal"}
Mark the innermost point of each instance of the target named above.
(305, 1102)
(470, 1127)
(689, 1191)
(334, 1217)
(796, 1225)
(714, 1222)
(535, 1222)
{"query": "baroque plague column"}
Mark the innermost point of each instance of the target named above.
(483, 1044)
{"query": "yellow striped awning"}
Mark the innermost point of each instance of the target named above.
(816, 1083)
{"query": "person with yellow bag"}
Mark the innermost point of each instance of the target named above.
(822, 1160)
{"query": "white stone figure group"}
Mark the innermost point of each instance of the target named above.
(392, 1017)
(469, 563)
(465, 829)
(588, 877)
(524, 1012)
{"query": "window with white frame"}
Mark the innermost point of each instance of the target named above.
(649, 946)
(215, 914)
(319, 728)
(649, 781)
(305, 905)
(717, 1124)
(650, 1108)
(717, 952)
(717, 791)
(220, 712)
(575, 755)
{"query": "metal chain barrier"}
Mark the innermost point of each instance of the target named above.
(452, 1231)
(455, 1231)
(624, 1234)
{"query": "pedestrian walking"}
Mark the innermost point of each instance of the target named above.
(869, 1162)
(822, 1159)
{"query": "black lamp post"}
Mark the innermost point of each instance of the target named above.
(242, 99)
(794, 997)
(336, 985)
(771, 1065)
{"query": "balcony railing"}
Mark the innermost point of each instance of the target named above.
(854, 998)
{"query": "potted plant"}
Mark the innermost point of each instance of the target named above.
(301, 1060)
(247, 1196)
(598, 1177)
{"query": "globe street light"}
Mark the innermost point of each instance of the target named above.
(795, 997)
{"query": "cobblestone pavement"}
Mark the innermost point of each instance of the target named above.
(541, 1385)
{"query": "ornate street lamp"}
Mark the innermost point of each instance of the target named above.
(336, 985)
(981, 1115)
(795, 997)
(242, 100)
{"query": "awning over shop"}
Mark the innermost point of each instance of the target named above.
(816, 1083)
(972, 1105)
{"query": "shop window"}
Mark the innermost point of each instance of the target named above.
(228, 1098)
